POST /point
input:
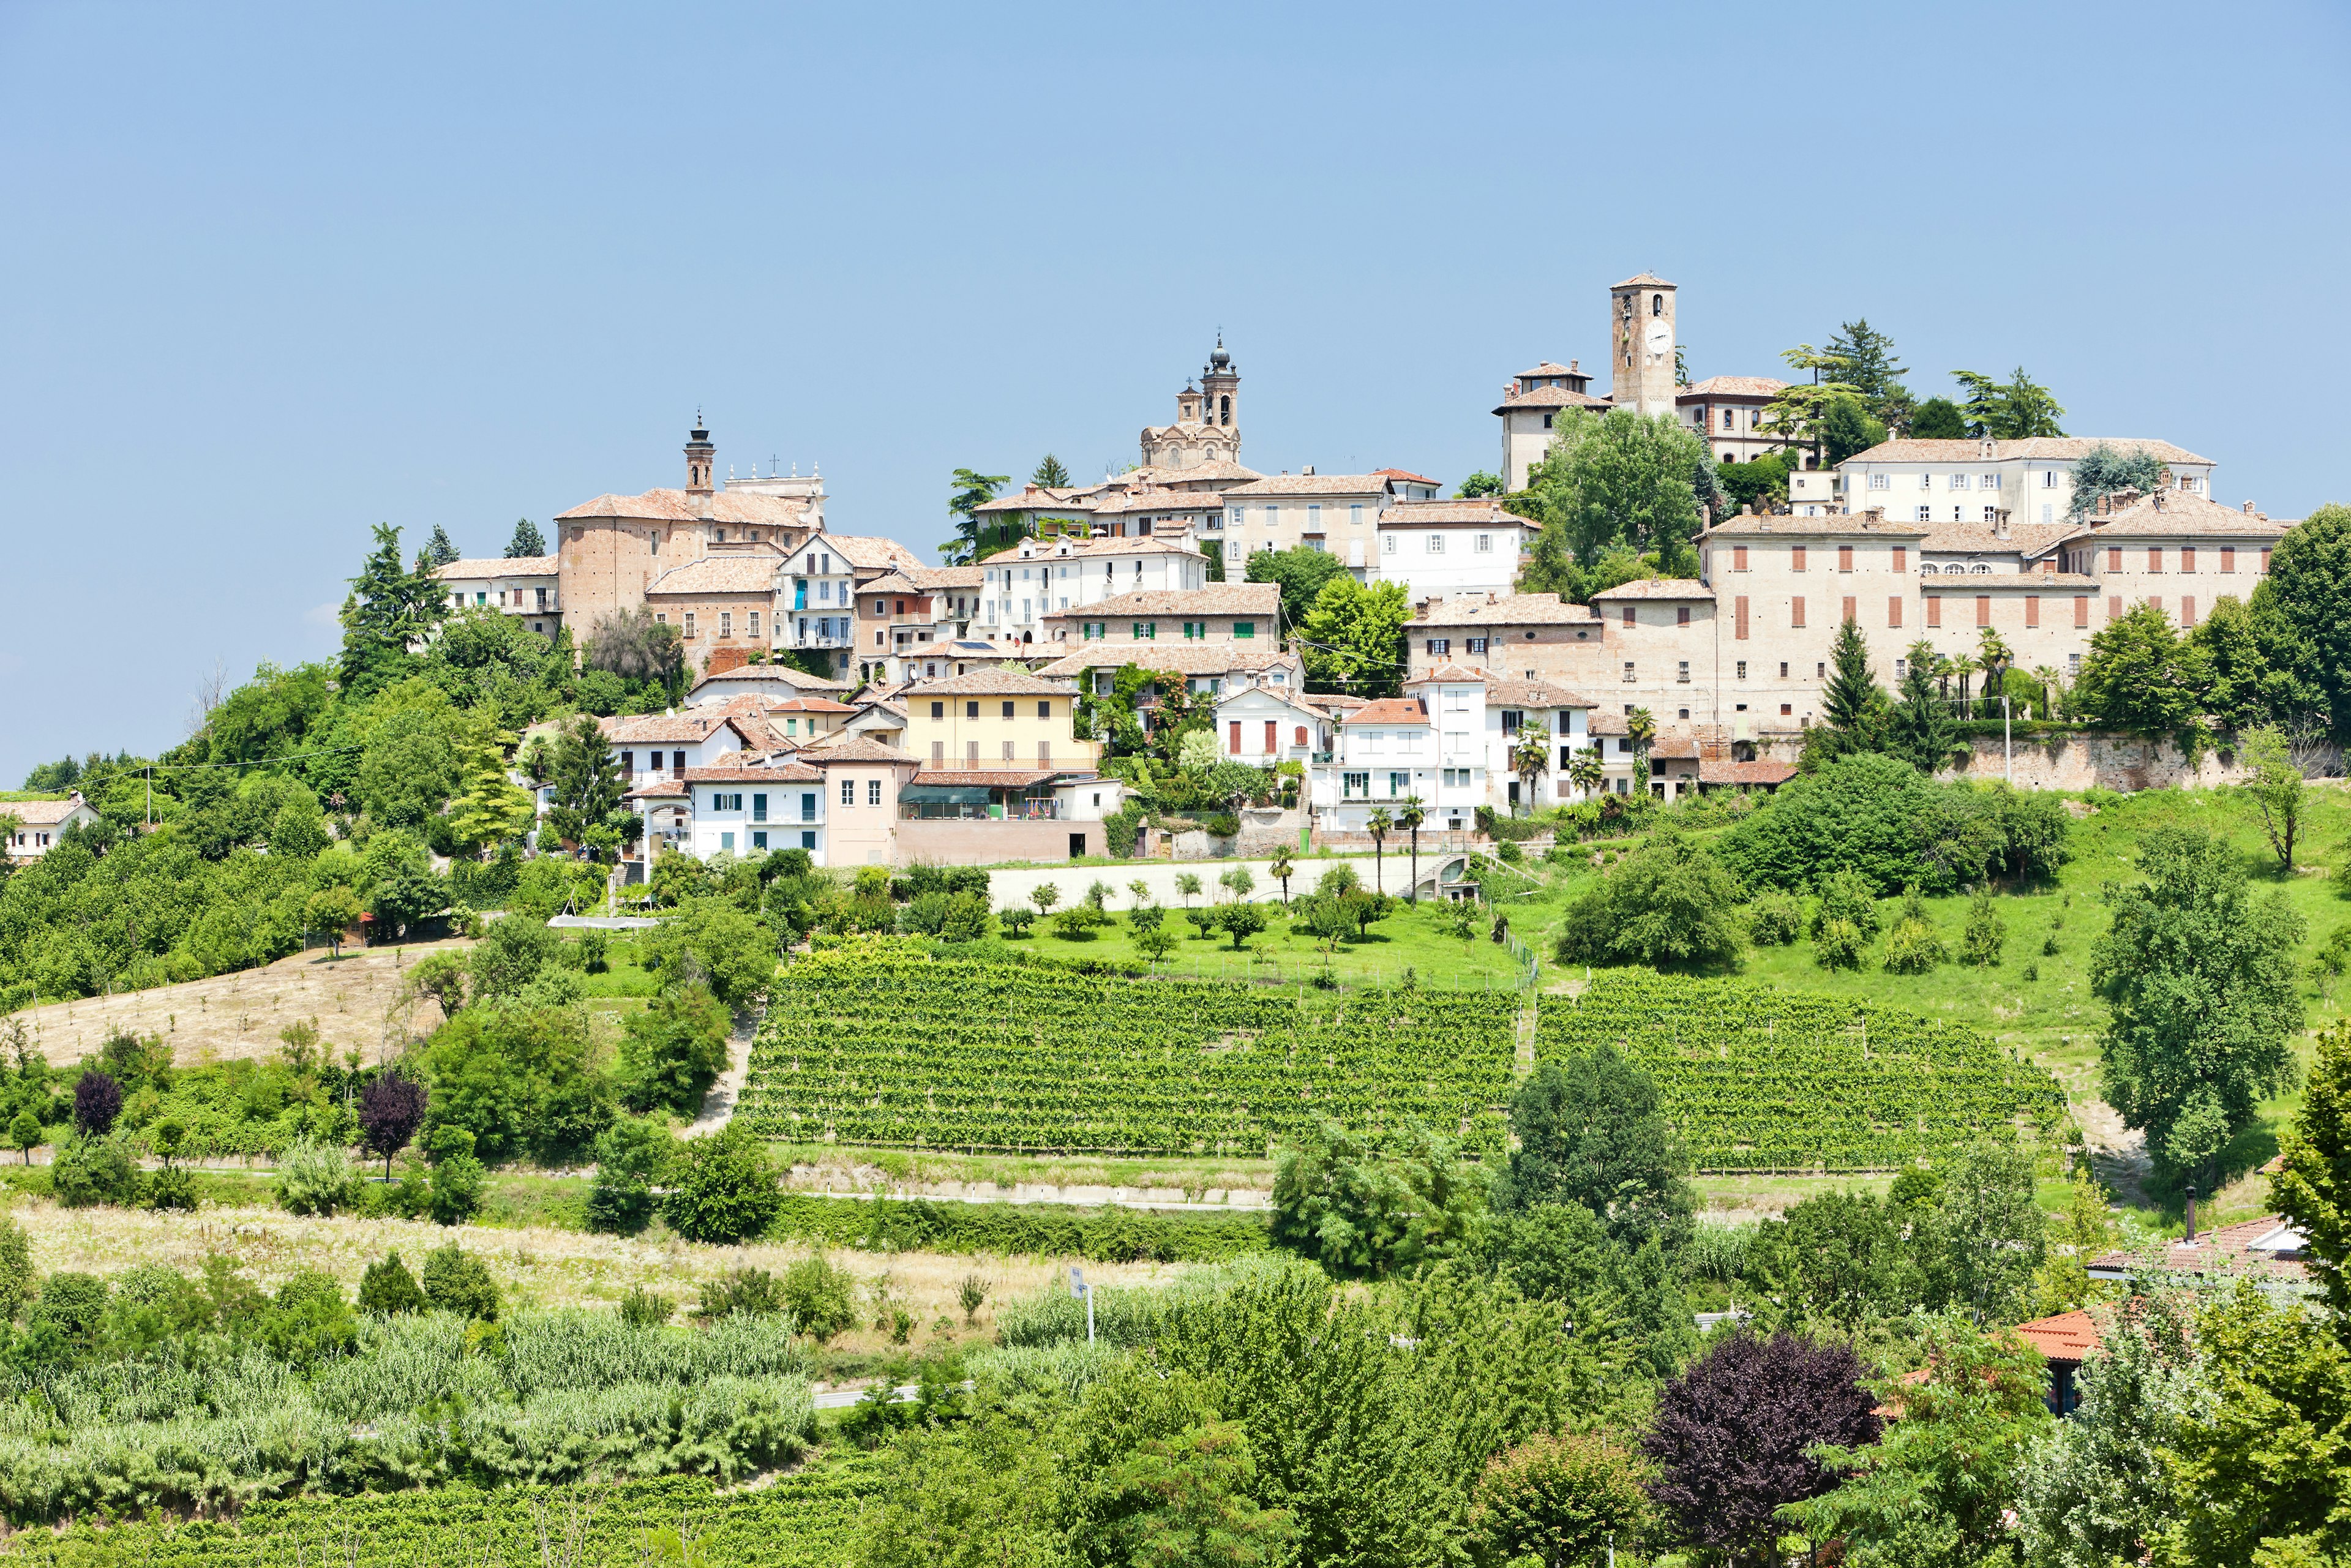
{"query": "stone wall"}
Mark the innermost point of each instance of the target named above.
(2083, 761)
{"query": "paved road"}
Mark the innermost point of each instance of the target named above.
(842, 1398)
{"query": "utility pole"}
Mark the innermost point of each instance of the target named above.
(1078, 1286)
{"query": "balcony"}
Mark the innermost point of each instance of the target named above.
(979, 811)
(816, 640)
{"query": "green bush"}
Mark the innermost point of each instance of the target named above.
(1986, 935)
(456, 1281)
(315, 1178)
(672, 1051)
(630, 1159)
(1913, 949)
(1775, 920)
(91, 1171)
(1667, 904)
(1849, 897)
(746, 1291)
(387, 1287)
(724, 1188)
(821, 1297)
(1839, 945)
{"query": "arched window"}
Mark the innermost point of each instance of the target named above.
(1981, 570)
(1657, 304)
(1224, 411)
(1928, 568)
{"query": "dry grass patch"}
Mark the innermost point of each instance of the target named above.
(533, 1266)
(356, 999)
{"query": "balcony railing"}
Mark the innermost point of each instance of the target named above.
(973, 811)
(816, 640)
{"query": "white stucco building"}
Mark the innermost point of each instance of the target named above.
(1441, 548)
(1038, 577)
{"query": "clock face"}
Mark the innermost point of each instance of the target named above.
(1661, 338)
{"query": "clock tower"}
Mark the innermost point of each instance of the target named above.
(1641, 345)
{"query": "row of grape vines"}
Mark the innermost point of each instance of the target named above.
(889, 1047)
(1757, 1079)
(802, 1522)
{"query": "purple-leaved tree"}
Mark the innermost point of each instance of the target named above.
(1731, 1433)
(391, 1108)
(98, 1100)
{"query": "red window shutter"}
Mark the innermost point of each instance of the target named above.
(2188, 610)
(1796, 610)
(1302, 735)
(1844, 557)
(1901, 557)
(1235, 742)
(1934, 609)
(1681, 614)
(2229, 558)
(2033, 610)
(2155, 558)
(1983, 608)
(2188, 558)
(2114, 558)
(2081, 610)
(1272, 737)
(1628, 615)
(2115, 607)
(1849, 614)
(1796, 558)
(2266, 563)
(1894, 610)
(1738, 557)
(1739, 615)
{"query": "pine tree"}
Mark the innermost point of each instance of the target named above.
(391, 610)
(439, 550)
(1050, 474)
(1852, 700)
(527, 541)
(1919, 729)
(1862, 358)
(2017, 409)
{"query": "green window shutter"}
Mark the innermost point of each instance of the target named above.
(1244, 629)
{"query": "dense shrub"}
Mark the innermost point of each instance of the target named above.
(456, 1281)
(387, 1287)
(89, 1171)
(722, 1188)
(314, 1178)
(1108, 1234)
(1775, 920)
(1879, 818)
(672, 1051)
(821, 1297)
(98, 1100)
(1667, 904)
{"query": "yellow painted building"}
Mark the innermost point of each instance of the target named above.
(995, 718)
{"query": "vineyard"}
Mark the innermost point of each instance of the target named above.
(885, 1046)
(1763, 1079)
(806, 1520)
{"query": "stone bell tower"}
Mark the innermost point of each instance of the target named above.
(1641, 345)
(1220, 388)
(701, 456)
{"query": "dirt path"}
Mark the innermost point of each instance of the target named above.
(355, 999)
(2118, 1155)
(719, 1103)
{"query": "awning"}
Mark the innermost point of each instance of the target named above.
(944, 795)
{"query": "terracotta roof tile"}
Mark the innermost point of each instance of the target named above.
(1405, 474)
(517, 566)
(851, 748)
(1730, 386)
(997, 777)
(1136, 502)
(1502, 610)
(1280, 484)
(1479, 511)
(767, 675)
(43, 813)
(1038, 498)
(2061, 448)
(2068, 1336)
(1216, 599)
(1176, 657)
(2173, 514)
(990, 683)
(1644, 280)
(1720, 772)
(695, 723)
(677, 507)
(2267, 1245)
(1516, 691)
(1549, 397)
(1835, 524)
(719, 574)
(1391, 710)
(792, 772)
(1086, 550)
(1673, 587)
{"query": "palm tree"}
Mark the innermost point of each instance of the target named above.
(1641, 729)
(1410, 818)
(1993, 657)
(1585, 771)
(1280, 868)
(1378, 825)
(1531, 760)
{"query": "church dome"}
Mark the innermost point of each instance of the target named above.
(1218, 361)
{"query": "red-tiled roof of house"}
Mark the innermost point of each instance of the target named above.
(1655, 588)
(1673, 749)
(1765, 773)
(1549, 397)
(1280, 484)
(1216, 599)
(663, 728)
(993, 777)
(719, 574)
(771, 772)
(1481, 510)
(505, 566)
(1391, 710)
(833, 752)
(2059, 448)
(43, 813)
(1730, 386)
(781, 673)
(2268, 1246)
(1407, 475)
(2068, 1336)
(677, 507)
(1501, 610)
(1644, 280)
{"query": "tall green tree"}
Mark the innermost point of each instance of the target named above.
(2314, 1189)
(440, 550)
(1592, 1130)
(1301, 573)
(2203, 1003)
(1478, 484)
(1846, 428)
(968, 491)
(1853, 702)
(586, 782)
(1353, 639)
(526, 541)
(2242, 684)
(1621, 478)
(1919, 729)
(2143, 678)
(2277, 788)
(1939, 419)
(2017, 409)
(1862, 358)
(1050, 474)
(2305, 606)
(388, 616)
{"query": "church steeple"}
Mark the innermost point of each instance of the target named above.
(1220, 385)
(701, 458)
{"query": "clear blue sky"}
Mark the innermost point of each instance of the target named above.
(269, 275)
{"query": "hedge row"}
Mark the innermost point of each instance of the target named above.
(1105, 1235)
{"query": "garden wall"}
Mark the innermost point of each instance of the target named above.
(2083, 760)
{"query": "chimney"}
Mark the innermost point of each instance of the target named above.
(1746, 509)
(1307, 470)
(1989, 449)
(2000, 523)
(2191, 1214)
(2249, 510)
(1571, 367)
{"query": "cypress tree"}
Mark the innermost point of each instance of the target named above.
(1852, 699)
